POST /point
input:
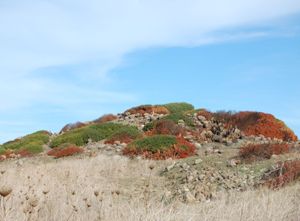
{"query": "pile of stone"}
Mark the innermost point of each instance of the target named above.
(196, 183)
(137, 119)
(208, 131)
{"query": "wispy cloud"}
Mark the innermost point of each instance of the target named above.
(52, 33)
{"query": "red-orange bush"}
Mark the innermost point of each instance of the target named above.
(286, 173)
(65, 151)
(167, 127)
(15, 154)
(254, 152)
(255, 123)
(182, 149)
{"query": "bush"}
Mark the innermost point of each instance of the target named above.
(33, 143)
(175, 117)
(256, 123)
(94, 132)
(160, 147)
(65, 151)
(166, 127)
(124, 135)
(254, 152)
(2, 150)
(283, 174)
(149, 126)
(179, 107)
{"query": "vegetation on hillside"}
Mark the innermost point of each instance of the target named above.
(65, 150)
(124, 135)
(93, 132)
(32, 143)
(179, 107)
(160, 147)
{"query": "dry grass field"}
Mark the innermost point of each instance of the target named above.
(117, 188)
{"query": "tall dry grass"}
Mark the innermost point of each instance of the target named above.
(113, 188)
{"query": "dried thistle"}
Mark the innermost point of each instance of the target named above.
(34, 202)
(5, 191)
(96, 193)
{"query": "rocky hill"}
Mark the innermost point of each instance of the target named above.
(198, 155)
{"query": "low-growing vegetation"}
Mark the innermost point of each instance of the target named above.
(124, 135)
(255, 152)
(253, 123)
(160, 147)
(32, 143)
(65, 151)
(82, 136)
(167, 127)
(283, 174)
(179, 107)
(175, 117)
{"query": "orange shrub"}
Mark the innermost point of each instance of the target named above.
(65, 151)
(254, 152)
(255, 123)
(181, 149)
(167, 127)
(286, 173)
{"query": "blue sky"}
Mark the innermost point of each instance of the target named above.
(66, 61)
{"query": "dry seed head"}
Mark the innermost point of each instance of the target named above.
(45, 192)
(96, 193)
(5, 191)
(34, 202)
(151, 167)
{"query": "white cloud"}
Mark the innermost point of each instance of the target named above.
(37, 34)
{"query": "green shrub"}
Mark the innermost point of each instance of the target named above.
(175, 117)
(94, 132)
(34, 147)
(149, 126)
(2, 150)
(154, 143)
(33, 143)
(179, 107)
(128, 131)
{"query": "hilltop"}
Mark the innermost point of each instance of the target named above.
(156, 155)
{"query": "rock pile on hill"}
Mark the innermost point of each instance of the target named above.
(197, 183)
(137, 119)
